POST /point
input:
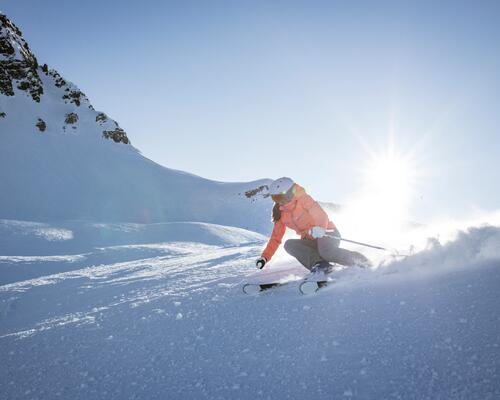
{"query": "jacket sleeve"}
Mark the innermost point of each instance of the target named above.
(319, 216)
(275, 240)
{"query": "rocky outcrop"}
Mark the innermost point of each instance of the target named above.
(262, 190)
(18, 65)
(73, 96)
(58, 79)
(118, 135)
(41, 125)
(253, 194)
(71, 93)
(71, 118)
(101, 118)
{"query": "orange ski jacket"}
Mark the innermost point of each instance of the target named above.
(300, 214)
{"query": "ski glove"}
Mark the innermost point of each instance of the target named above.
(317, 232)
(260, 262)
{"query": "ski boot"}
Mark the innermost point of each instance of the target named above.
(323, 267)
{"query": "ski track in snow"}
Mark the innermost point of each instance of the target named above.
(175, 324)
(191, 268)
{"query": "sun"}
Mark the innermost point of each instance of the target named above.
(391, 178)
(380, 208)
(389, 185)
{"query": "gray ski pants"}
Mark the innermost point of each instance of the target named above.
(309, 252)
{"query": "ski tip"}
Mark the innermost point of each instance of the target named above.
(308, 287)
(253, 288)
(250, 288)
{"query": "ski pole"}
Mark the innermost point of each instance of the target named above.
(394, 253)
(355, 242)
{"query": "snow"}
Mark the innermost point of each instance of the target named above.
(174, 323)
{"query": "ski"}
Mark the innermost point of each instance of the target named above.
(317, 280)
(253, 288)
(262, 281)
(312, 286)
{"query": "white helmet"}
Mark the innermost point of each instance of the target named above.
(281, 186)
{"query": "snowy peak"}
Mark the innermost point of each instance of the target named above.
(64, 108)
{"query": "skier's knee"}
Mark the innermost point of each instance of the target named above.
(325, 254)
(327, 249)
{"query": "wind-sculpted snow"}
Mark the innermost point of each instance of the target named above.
(175, 324)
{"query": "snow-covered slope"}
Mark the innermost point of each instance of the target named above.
(60, 159)
(34, 249)
(173, 323)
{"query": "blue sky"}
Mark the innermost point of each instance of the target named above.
(237, 91)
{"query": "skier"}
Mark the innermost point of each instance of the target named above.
(316, 248)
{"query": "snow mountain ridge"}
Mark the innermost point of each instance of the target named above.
(60, 159)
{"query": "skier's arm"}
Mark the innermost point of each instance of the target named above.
(319, 216)
(275, 240)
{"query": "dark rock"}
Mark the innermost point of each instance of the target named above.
(101, 117)
(41, 125)
(23, 85)
(27, 77)
(58, 79)
(5, 22)
(256, 191)
(2, 115)
(5, 82)
(71, 118)
(17, 67)
(6, 48)
(74, 96)
(118, 135)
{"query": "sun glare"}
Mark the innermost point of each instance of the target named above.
(389, 183)
(381, 206)
(390, 177)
